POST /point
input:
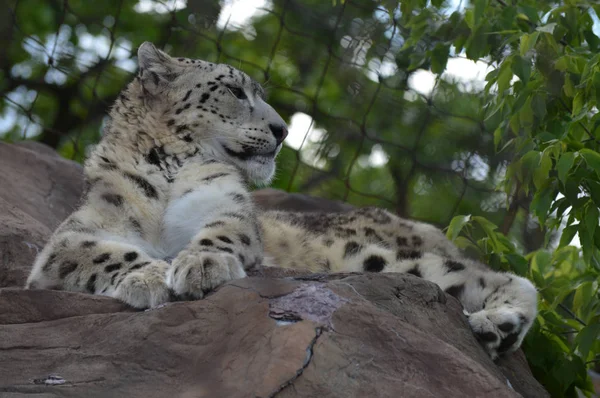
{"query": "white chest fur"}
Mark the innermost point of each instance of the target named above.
(187, 215)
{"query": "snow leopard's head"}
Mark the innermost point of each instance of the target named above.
(215, 106)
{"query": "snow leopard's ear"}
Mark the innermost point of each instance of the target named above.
(156, 68)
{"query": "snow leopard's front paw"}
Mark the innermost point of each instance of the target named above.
(144, 287)
(194, 274)
(499, 331)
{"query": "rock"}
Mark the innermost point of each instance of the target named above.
(373, 335)
(39, 190)
(275, 199)
(277, 333)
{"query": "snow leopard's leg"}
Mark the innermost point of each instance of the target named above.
(501, 307)
(82, 262)
(212, 216)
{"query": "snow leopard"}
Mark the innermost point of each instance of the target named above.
(167, 212)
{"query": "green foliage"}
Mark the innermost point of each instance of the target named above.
(512, 168)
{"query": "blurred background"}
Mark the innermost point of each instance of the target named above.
(365, 125)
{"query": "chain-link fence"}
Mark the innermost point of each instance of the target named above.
(368, 123)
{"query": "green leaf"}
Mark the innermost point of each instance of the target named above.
(542, 260)
(528, 41)
(488, 226)
(564, 164)
(540, 173)
(583, 297)
(541, 204)
(568, 233)
(592, 158)
(456, 225)
(498, 133)
(479, 10)
(591, 218)
(476, 44)
(539, 106)
(548, 28)
(586, 242)
(504, 76)
(518, 263)
(586, 338)
(578, 103)
(522, 68)
(569, 88)
(416, 60)
(439, 58)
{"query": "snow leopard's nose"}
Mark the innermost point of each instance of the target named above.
(279, 131)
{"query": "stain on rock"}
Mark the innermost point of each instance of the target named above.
(312, 302)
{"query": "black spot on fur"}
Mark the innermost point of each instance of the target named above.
(374, 264)
(238, 198)
(139, 265)
(154, 156)
(224, 249)
(373, 235)
(135, 224)
(206, 242)
(522, 319)
(130, 256)
(456, 290)
(245, 239)
(66, 268)
(454, 266)
(204, 98)
(214, 176)
(506, 326)
(112, 279)
(408, 254)
(113, 198)
(328, 242)
(107, 164)
(344, 232)
(49, 263)
(401, 241)
(378, 215)
(112, 267)
(101, 258)
(238, 216)
(142, 183)
(417, 241)
(488, 337)
(187, 95)
(88, 243)
(482, 283)
(213, 88)
(415, 271)
(171, 122)
(188, 138)
(224, 239)
(181, 128)
(352, 249)
(507, 342)
(155, 78)
(91, 284)
(215, 224)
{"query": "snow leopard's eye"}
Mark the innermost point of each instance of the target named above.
(237, 92)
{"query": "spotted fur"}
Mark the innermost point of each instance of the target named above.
(167, 211)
